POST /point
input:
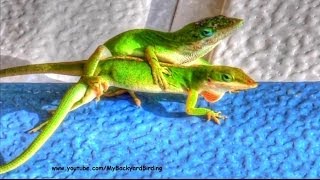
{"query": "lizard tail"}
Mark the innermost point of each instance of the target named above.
(74, 94)
(66, 68)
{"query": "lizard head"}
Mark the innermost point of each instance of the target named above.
(226, 78)
(204, 35)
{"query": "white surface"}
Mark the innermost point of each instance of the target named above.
(57, 30)
(280, 40)
(193, 10)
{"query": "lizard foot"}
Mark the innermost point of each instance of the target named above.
(137, 101)
(97, 84)
(215, 116)
(158, 77)
(166, 70)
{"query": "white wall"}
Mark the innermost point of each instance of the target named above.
(280, 40)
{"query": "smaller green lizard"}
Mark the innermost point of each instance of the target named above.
(212, 82)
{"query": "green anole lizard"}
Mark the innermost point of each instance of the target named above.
(134, 74)
(185, 46)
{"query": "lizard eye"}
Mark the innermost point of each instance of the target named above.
(226, 77)
(207, 32)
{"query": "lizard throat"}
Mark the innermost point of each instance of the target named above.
(191, 53)
(186, 53)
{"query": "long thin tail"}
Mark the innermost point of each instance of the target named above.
(66, 68)
(74, 94)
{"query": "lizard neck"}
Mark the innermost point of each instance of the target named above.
(175, 49)
(183, 54)
(195, 51)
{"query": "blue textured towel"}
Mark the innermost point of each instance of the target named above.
(271, 131)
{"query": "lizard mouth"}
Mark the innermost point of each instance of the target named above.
(240, 87)
(234, 86)
(233, 26)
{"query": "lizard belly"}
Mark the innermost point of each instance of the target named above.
(184, 55)
(149, 89)
(136, 76)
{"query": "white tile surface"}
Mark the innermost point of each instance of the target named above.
(161, 14)
(193, 10)
(58, 30)
(280, 40)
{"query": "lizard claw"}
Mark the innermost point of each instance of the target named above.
(215, 116)
(137, 102)
(166, 70)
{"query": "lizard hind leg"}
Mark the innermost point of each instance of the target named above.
(38, 128)
(136, 100)
(97, 84)
(100, 53)
(114, 92)
(89, 96)
(118, 92)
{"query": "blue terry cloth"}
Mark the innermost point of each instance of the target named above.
(272, 131)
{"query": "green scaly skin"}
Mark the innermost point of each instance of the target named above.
(136, 75)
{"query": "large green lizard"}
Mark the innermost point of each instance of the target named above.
(134, 74)
(185, 46)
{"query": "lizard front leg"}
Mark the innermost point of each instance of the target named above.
(192, 110)
(157, 70)
(90, 67)
(100, 53)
